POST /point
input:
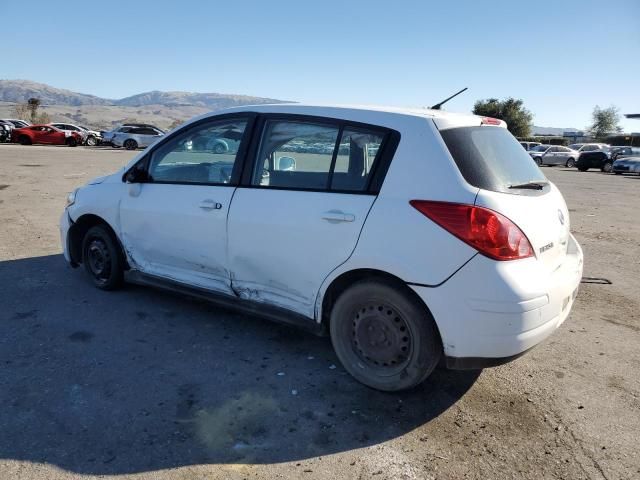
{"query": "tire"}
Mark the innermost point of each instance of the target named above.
(130, 144)
(570, 163)
(71, 142)
(607, 167)
(24, 140)
(583, 169)
(384, 337)
(219, 148)
(538, 161)
(91, 141)
(102, 258)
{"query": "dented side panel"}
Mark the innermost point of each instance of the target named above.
(166, 232)
(281, 248)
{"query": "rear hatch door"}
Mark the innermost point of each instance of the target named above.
(511, 183)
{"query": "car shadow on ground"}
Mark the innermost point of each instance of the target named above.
(139, 380)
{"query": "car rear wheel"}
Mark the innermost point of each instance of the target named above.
(24, 140)
(538, 160)
(130, 144)
(71, 142)
(383, 336)
(607, 167)
(102, 258)
(570, 163)
(92, 141)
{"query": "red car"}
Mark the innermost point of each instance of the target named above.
(45, 134)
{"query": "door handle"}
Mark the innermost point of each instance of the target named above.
(337, 216)
(210, 205)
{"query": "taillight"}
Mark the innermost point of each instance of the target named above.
(492, 234)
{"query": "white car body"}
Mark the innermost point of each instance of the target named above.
(67, 128)
(287, 248)
(141, 136)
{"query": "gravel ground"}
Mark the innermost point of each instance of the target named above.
(142, 384)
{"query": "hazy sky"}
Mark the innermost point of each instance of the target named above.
(560, 57)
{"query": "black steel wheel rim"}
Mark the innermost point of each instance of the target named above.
(381, 338)
(99, 259)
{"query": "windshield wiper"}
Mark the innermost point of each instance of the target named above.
(532, 185)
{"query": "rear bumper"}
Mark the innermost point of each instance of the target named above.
(491, 312)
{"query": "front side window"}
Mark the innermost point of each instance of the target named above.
(204, 154)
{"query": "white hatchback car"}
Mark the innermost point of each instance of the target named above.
(408, 235)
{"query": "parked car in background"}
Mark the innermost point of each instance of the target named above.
(626, 165)
(132, 137)
(16, 122)
(623, 151)
(90, 137)
(589, 147)
(599, 159)
(529, 145)
(68, 128)
(554, 155)
(5, 131)
(107, 137)
(303, 234)
(45, 134)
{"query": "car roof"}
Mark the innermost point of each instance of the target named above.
(361, 113)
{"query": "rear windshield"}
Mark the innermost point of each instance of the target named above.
(491, 158)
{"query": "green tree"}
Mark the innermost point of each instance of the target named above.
(29, 110)
(33, 104)
(511, 110)
(605, 122)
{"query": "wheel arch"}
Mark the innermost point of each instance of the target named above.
(343, 281)
(79, 229)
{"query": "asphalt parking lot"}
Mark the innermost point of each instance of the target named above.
(142, 384)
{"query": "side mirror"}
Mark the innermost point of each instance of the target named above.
(136, 175)
(285, 164)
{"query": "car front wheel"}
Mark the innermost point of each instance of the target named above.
(102, 258)
(607, 167)
(570, 163)
(92, 141)
(384, 336)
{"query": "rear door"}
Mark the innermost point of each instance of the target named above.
(174, 224)
(306, 193)
(510, 183)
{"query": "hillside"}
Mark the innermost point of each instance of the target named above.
(160, 108)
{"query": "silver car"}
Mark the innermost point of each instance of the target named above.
(136, 137)
(554, 155)
(626, 165)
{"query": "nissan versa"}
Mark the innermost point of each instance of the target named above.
(407, 235)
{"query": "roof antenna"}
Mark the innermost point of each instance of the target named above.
(437, 106)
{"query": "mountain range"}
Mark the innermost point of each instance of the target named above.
(157, 107)
(160, 108)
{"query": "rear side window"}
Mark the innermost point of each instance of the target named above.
(316, 156)
(491, 158)
(357, 153)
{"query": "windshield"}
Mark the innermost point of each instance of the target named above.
(491, 158)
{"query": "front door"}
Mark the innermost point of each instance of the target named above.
(174, 223)
(300, 210)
